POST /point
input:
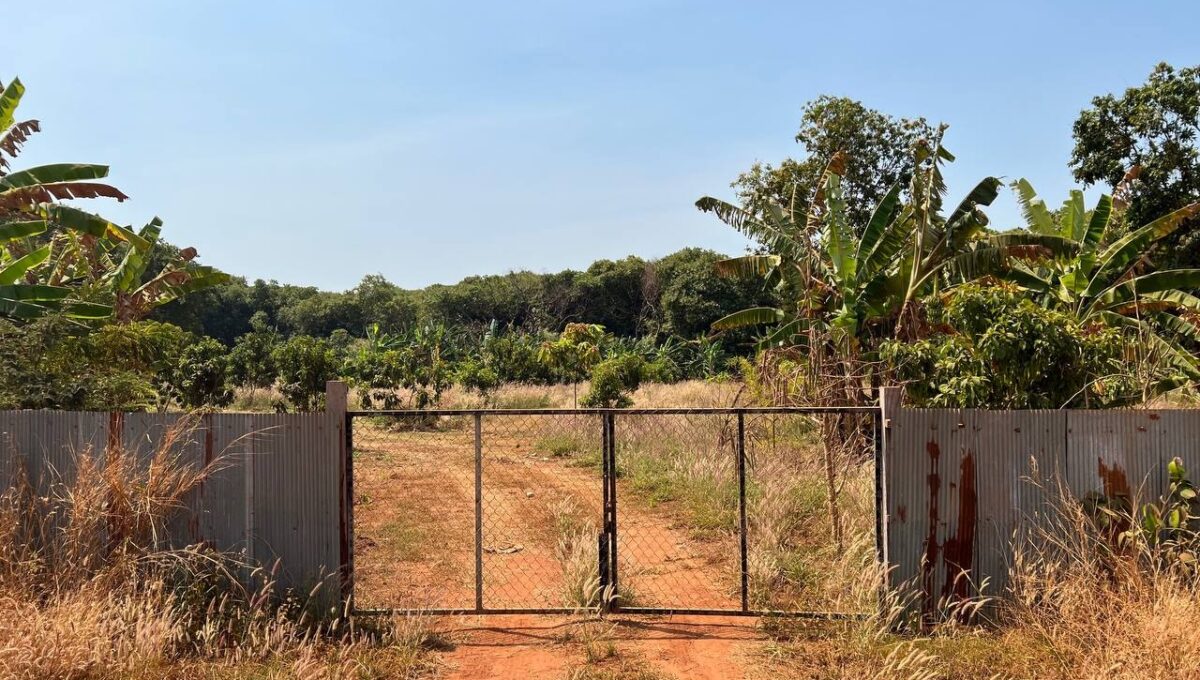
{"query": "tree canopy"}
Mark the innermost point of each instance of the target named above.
(1146, 139)
(881, 146)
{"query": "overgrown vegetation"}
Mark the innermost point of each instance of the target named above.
(91, 590)
(862, 275)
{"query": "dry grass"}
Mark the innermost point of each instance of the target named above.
(693, 393)
(600, 656)
(700, 393)
(90, 588)
(1102, 607)
(1080, 605)
(687, 468)
(575, 550)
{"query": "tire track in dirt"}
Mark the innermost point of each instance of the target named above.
(427, 481)
(518, 647)
(430, 478)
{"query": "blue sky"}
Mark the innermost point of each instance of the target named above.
(315, 143)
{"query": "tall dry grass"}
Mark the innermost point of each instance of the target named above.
(1104, 604)
(90, 586)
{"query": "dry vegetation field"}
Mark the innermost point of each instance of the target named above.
(75, 606)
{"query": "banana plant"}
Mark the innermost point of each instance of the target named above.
(856, 282)
(1112, 284)
(58, 258)
(22, 243)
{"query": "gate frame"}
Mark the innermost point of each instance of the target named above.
(607, 540)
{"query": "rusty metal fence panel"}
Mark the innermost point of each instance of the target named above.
(274, 496)
(963, 486)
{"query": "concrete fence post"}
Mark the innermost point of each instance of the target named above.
(336, 404)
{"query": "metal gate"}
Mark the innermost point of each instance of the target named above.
(655, 511)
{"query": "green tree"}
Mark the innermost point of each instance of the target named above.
(53, 362)
(1111, 285)
(854, 288)
(200, 378)
(691, 298)
(250, 361)
(476, 301)
(1150, 130)
(613, 380)
(383, 304)
(305, 364)
(574, 353)
(997, 348)
(321, 313)
(880, 146)
(55, 257)
(612, 295)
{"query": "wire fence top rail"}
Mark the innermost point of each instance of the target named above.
(716, 410)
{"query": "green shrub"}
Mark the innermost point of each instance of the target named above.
(305, 364)
(250, 359)
(559, 445)
(200, 378)
(55, 363)
(662, 370)
(612, 381)
(997, 349)
(474, 375)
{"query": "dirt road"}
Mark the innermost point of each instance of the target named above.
(414, 525)
(519, 647)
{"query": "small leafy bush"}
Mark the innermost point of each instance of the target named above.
(200, 379)
(474, 375)
(305, 364)
(995, 348)
(1166, 531)
(612, 381)
(250, 359)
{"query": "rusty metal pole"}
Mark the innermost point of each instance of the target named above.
(478, 512)
(741, 471)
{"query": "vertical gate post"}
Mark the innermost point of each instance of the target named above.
(613, 548)
(478, 512)
(741, 473)
(603, 547)
(342, 431)
(889, 408)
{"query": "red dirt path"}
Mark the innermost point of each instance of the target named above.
(512, 647)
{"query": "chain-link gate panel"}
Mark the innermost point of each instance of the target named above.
(654, 510)
(542, 514)
(677, 514)
(414, 512)
(808, 549)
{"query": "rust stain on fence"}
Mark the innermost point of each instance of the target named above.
(929, 565)
(999, 480)
(959, 551)
(1114, 479)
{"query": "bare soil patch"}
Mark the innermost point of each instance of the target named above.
(621, 647)
(414, 527)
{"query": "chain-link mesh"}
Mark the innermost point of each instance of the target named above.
(542, 496)
(414, 512)
(804, 552)
(681, 502)
(677, 512)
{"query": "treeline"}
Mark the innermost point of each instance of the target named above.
(677, 295)
(616, 324)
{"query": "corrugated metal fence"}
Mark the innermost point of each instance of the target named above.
(276, 494)
(963, 483)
